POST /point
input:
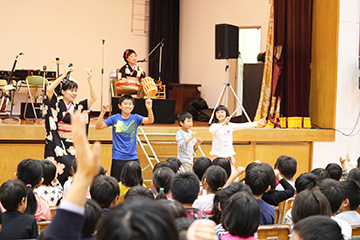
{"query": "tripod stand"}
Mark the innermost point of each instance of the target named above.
(228, 84)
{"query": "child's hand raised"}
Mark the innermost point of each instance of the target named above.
(148, 103)
(106, 107)
(199, 141)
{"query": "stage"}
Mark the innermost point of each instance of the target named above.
(25, 139)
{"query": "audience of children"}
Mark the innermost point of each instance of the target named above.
(259, 180)
(161, 182)
(105, 191)
(16, 224)
(186, 141)
(131, 176)
(287, 167)
(50, 189)
(213, 180)
(351, 203)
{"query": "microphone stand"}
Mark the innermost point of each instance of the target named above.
(161, 45)
(102, 73)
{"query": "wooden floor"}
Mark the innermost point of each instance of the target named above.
(25, 139)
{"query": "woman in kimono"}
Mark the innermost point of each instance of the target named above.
(130, 69)
(59, 107)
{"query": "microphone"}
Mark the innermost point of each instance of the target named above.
(44, 68)
(162, 40)
(68, 74)
(103, 41)
(142, 60)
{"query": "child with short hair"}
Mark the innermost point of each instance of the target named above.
(124, 131)
(200, 166)
(351, 203)
(92, 217)
(176, 163)
(222, 131)
(105, 191)
(51, 189)
(186, 141)
(334, 170)
(258, 179)
(213, 180)
(16, 224)
(287, 167)
(244, 227)
(131, 176)
(185, 189)
(321, 173)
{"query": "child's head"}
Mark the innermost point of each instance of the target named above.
(222, 197)
(221, 112)
(175, 162)
(351, 194)
(30, 172)
(138, 219)
(12, 193)
(185, 187)
(334, 171)
(224, 163)
(308, 203)
(131, 175)
(92, 216)
(175, 208)
(333, 192)
(126, 102)
(105, 191)
(271, 173)
(244, 205)
(49, 171)
(165, 164)
(200, 166)
(214, 178)
(139, 192)
(258, 179)
(321, 173)
(306, 181)
(185, 120)
(162, 180)
(317, 228)
(287, 166)
(354, 174)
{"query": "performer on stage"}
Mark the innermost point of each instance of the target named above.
(130, 69)
(58, 110)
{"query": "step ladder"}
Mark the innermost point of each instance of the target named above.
(152, 157)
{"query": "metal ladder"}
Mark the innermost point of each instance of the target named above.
(153, 157)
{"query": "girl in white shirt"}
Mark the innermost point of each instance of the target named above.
(222, 131)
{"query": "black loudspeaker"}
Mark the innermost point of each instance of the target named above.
(30, 111)
(226, 41)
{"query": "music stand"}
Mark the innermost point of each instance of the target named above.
(228, 84)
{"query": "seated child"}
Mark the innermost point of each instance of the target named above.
(354, 174)
(105, 191)
(213, 180)
(139, 192)
(185, 189)
(258, 179)
(176, 163)
(321, 173)
(131, 176)
(30, 172)
(161, 182)
(244, 227)
(334, 170)
(317, 227)
(186, 141)
(51, 189)
(92, 217)
(16, 224)
(335, 195)
(224, 163)
(199, 168)
(351, 203)
(287, 167)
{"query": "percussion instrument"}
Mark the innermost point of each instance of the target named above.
(127, 85)
(149, 86)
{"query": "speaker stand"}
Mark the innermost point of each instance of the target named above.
(228, 84)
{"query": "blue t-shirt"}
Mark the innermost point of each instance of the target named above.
(124, 136)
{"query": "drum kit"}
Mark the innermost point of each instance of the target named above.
(145, 88)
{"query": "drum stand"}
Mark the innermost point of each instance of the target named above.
(228, 84)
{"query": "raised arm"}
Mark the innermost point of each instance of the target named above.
(150, 118)
(100, 124)
(93, 97)
(53, 85)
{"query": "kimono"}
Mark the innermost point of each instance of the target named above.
(58, 143)
(128, 71)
